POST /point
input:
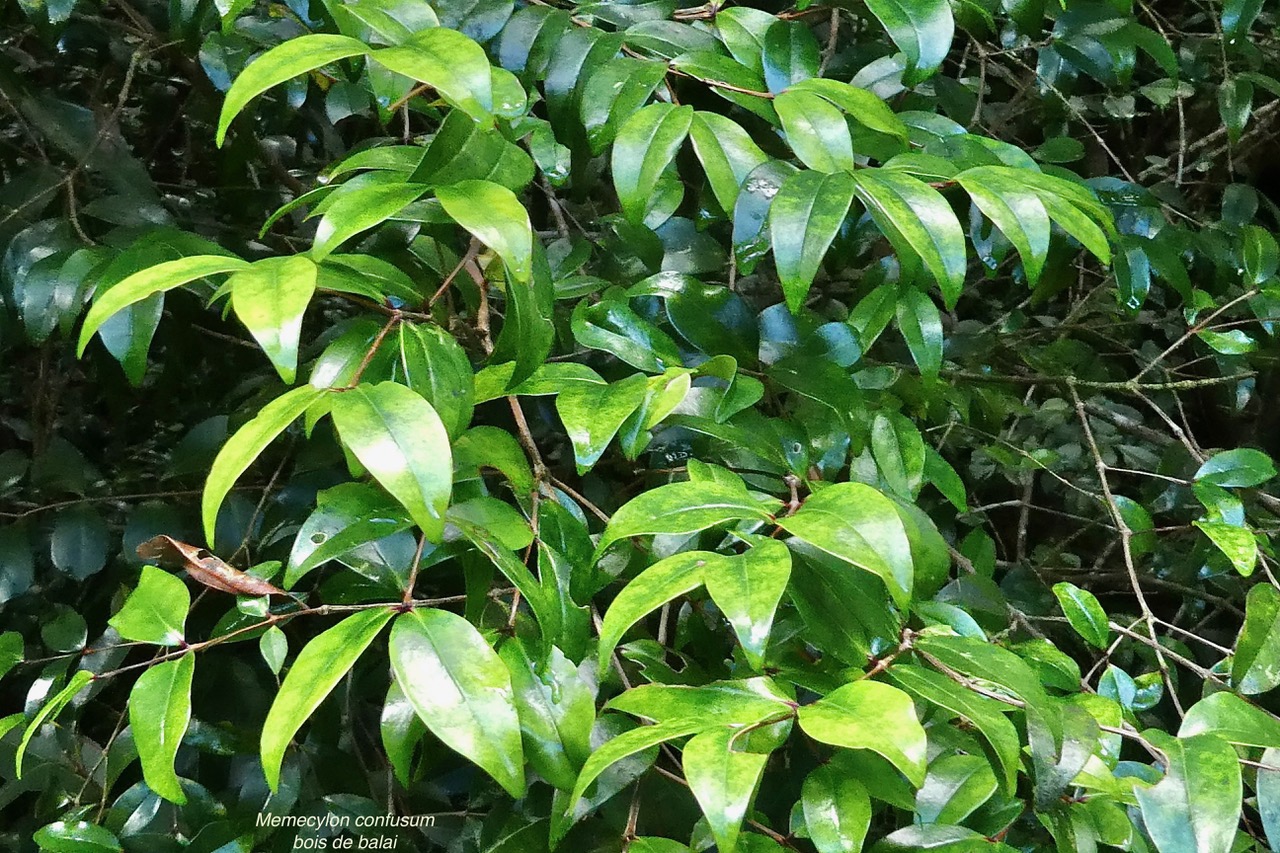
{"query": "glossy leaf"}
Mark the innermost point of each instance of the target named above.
(626, 744)
(283, 62)
(449, 62)
(723, 781)
(156, 610)
(249, 441)
(727, 153)
(649, 590)
(461, 690)
(556, 709)
(76, 837)
(270, 298)
(646, 143)
(747, 588)
(874, 716)
(1255, 667)
(49, 712)
(1196, 806)
(435, 366)
(804, 218)
(681, 508)
(858, 525)
(837, 810)
(494, 215)
(816, 131)
(399, 438)
(919, 223)
(922, 29)
(159, 713)
(147, 282)
(1084, 613)
(321, 664)
(1239, 468)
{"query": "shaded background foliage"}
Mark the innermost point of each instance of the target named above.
(1083, 416)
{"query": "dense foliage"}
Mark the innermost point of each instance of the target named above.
(632, 426)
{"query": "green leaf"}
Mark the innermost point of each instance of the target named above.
(449, 62)
(1237, 544)
(954, 788)
(270, 298)
(1073, 208)
(613, 93)
(816, 131)
(646, 143)
(495, 217)
(349, 519)
(1084, 613)
(273, 645)
(743, 31)
(243, 448)
(1196, 806)
(1238, 17)
(11, 651)
(461, 690)
(920, 323)
(152, 280)
(1233, 719)
(159, 712)
(612, 326)
(464, 150)
(1016, 211)
(720, 703)
(919, 223)
(727, 153)
(656, 845)
(1255, 666)
(436, 367)
(898, 450)
(723, 782)
(556, 708)
(859, 525)
(593, 414)
(985, 715)
(353, 209)
(870, 715)
(528, 325)
(401, 729)
(790, 54)
(681, 508)
(1261, 255)
(156, 611)
(1240, 468)
(625, 744)
(79, 543)
(729, 79)
(49, 712)
(1235, 105)
(78, 837)
(837, 810)
(649, 590)
(859, 104)
(805, 216)
(294, 57)
(321, 664)
(922, 30)
(747, 588)
(399, 438)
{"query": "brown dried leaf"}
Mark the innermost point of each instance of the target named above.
(204, 567)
